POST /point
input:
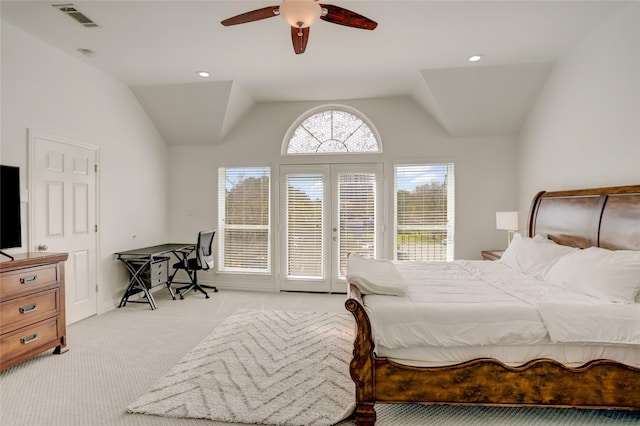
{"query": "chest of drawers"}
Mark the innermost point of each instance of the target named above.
(32, 310)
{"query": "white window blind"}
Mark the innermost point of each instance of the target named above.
(244, 219)
(357, 216)
(424, 216)
(304, 204)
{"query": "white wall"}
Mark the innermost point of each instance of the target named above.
(484, 168)
(48, 90)
(584, 130)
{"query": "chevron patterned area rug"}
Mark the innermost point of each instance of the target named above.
(273, 367)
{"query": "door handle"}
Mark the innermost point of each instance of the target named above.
(42, 247)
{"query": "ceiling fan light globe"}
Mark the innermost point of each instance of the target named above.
(300, 13)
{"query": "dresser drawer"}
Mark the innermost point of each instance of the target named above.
(26, 310)
(28, 339)
(14, 283)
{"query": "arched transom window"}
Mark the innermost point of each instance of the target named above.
(332, 131)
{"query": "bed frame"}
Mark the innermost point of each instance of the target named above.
(601, 217)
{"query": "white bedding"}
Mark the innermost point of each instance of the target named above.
(446, 305)
(579, 322)
(459, 305)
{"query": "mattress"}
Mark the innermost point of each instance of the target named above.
(573, 355)
(462, 310)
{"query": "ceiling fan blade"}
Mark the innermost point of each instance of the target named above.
(254, 15)
(342, 16)
(299, 37)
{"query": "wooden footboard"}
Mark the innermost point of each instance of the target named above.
(362, 366)
(599, 384)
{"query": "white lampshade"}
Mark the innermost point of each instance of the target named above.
(508, 221)
(300, 13)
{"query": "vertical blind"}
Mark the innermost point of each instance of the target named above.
(305, 209)
(244, 219)
(424, 212)
(357, 216)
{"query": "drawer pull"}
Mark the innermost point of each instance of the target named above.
(29, 279)
(30, 338)
(28, 308)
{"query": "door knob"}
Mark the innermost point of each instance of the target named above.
(43, 247)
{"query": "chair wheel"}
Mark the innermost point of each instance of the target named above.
(206, 296)
(215, 290)
(182, 297)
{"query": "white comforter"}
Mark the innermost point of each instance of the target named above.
(470, 303)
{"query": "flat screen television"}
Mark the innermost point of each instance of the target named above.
(10, 229)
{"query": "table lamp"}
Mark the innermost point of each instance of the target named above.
(510, 222)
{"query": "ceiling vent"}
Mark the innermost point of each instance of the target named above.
(70, 10)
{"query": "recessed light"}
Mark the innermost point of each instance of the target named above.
(203, 74)
(476, 58)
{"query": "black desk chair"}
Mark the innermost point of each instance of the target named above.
(201, 262)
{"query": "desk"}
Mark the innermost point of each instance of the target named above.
(140, 260)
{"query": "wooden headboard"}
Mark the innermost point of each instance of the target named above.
(600, 217)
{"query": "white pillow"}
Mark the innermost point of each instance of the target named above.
(612, 275)
(533, 257)
(374, 276)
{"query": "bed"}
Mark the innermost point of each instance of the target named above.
(607, 218)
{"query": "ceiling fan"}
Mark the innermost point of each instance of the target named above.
(301, 14)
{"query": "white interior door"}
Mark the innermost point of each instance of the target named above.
(327, 211)
(63, 214)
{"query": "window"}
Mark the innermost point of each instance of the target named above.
(244, 235)
(332, 131)
(424, 212)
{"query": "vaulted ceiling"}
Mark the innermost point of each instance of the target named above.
(419, 49)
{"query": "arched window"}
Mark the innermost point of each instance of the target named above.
(332, 130)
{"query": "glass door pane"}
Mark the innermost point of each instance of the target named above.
(357, 216)
(303, 220)
(304, 226)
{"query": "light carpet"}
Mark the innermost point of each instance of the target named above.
(263, 367)
(443, 415)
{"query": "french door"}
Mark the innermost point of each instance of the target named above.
(326, 212)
